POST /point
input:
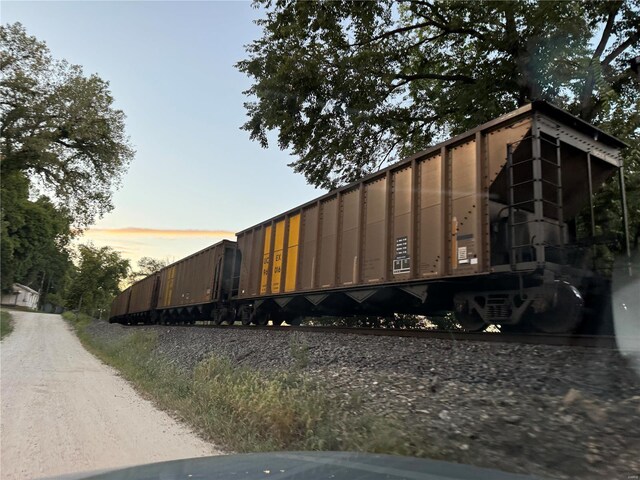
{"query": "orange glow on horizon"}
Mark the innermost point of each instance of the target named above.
(157, 232)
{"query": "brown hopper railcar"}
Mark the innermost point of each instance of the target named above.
(198, 286)
(138, 302)
(144, 296)
(120, 306)
(483, 224)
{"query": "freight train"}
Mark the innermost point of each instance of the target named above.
(485, 224)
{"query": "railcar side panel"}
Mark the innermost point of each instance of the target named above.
(143, 295)
(278, 257)
(326, 261)
(402, 218)
(257, 257)
(120, 304)
(430, 204)
(467, 244)
(167, 280)
(266, 260)
(495, 149)
(497, 139)
(276, 249)
(309, 229)
(349, 237)
(293, 245)
(397, 226)
(190, 281)
(250, 244)
(245, 245)
(375, 236)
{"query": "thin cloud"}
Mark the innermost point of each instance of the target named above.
(125, 250)
(157, 232)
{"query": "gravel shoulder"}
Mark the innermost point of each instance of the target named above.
(64, 411)
(557, 412)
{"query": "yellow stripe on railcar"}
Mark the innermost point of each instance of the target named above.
(292, 253)
(278, 247)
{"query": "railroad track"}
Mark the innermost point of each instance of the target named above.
(600, 341)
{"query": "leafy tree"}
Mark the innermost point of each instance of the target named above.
(62, 149)
(35, 238)
(147, 266)
(350, 86)
(58, 127)
(96, 279)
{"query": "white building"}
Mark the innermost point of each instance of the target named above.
(21, 296)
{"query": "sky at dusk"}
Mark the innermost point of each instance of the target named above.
(196, 177)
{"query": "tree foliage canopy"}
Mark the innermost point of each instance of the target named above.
(59, 127)
(35, 237)
(147, 266)
(62, 149)
(97, 278)
(350, 86)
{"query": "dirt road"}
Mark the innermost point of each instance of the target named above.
(64, 411)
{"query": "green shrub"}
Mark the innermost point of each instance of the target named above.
(6, 323)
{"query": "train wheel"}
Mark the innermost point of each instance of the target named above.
(471, 322)
(294, 321)
(217, 317)
(261, 320)
(247, 319)
(224, 315)
(244, 315)
(563, 315)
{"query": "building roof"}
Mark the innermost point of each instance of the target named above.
(24, 287)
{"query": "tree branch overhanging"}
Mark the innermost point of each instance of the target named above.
(606, 33)
(390, 33)
(436, 76)
(620, 48)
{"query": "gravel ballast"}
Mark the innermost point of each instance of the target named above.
(563, 412)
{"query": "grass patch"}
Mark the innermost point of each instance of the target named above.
(79, 320)
(6, 324)
(246, 410)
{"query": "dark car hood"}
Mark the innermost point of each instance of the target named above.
(302, 465)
